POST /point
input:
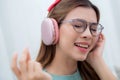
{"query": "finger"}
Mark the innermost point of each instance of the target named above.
(40, 74)
(38, 67)
(31, 71)
(28, 54)
(31, 67)
(14, 65)
(38, 71)
(101, 42)
(101, 37)
(47, 76)
(23, 61)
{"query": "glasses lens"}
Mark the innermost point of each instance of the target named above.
(95, 29)
(78, 25)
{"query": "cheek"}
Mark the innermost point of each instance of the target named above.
(94, 42)
(67, 34)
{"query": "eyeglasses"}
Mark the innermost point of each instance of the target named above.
(80, 26)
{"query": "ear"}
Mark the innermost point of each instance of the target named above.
(49, 31)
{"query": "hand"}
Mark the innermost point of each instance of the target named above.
(97, 62)
(97, 52)
(28, 69)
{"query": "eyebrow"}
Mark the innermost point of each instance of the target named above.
(78, 19)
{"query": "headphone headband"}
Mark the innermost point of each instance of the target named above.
(53, 5)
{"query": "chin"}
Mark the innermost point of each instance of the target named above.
(82, 58)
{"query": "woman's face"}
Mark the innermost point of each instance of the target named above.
(73, 44)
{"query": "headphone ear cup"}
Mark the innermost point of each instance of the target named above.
(56, 31)
(49, 31)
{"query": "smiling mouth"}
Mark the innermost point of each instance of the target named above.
(82, 47)
(85, 46)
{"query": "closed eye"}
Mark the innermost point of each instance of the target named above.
(94, 30)
(77, 26)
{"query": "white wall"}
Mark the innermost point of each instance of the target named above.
(4, 60)
(20, 27)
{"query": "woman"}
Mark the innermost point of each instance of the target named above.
(72, 46)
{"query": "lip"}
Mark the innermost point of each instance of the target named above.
(83, 50)
(84, 43)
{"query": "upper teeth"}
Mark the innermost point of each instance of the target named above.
(82, 45)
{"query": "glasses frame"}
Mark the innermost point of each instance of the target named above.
(86, 25)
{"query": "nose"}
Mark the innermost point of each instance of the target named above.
(86, 34)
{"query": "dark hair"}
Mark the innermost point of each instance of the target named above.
(59, 12)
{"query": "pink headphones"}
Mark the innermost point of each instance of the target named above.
(49, 28)
(49, 31)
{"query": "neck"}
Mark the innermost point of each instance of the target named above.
(62, 65)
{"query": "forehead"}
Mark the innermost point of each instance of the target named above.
(84, 13)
